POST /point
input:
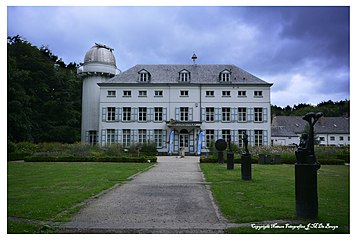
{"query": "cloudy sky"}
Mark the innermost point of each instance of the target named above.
(303, 51)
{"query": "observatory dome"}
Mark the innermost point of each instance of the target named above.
(100, 53)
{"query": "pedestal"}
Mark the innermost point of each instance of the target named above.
(246, 168)
(306, 191)
(220, 157)
(230, 160)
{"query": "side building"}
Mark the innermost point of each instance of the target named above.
(330, 131)
(172, 104)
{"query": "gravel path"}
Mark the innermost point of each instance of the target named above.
(171, 197)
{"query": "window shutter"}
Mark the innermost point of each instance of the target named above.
(190, 114)
(120, 136)
(177, 114)
(203, 144)
(265, 137)
(265, 114)
(132, 140)
(235, 137)
(251, 137)
(164, 114)
(150, 114)
(250, 115)
(116, 136)
(217, 114)
(117, 116)
(86, 137)
(164, 140)
(234, 114)
(134, 114)
(150, 135)
(104, 114)
(135, 135)
(103, 137)
(203, 114)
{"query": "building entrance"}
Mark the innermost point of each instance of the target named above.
(184, 140)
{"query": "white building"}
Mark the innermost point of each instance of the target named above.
(330, 131)
(153, 102)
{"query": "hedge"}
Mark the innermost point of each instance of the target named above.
(237, 159)
(62, 158)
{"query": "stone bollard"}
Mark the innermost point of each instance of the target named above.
(246, 167)
(230, 160)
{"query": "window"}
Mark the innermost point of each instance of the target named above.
(322, 139)
(225, 76)
(341, 138)
(142, 93)
(142, 114)
(92, 137)
(226, 93)
(240, 137)
(209, 114)
(226, 114)
(110, 136)
(144, 76)
(184, 76)
(258, 114)
(111, 114)
(126, 93)
(209, 93)
(258, 93)
(242, 93)
(158, 138)
(111, 93)
(126, 137)
(184, 93)
(126, 114)
(258, 137)
(242, 114)
(142, 136)
(183, 113)
(332, 138)
(209, 137)
(226, 134)
(158, 114)
(158, 93)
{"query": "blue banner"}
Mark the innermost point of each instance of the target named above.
(199, 145)
(171, 142)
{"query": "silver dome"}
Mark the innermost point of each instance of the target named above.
(100, 53)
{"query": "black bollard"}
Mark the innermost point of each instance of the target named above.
(220, 157)
(306, 191)
(246, 168)
(230, 160)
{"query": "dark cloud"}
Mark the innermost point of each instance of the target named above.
(297, 48)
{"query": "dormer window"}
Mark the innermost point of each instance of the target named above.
(144, 76)
(184, 76)
(224, 76)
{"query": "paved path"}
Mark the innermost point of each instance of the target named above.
(169, 198)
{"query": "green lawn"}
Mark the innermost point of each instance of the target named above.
(40, 191)
(270, 195)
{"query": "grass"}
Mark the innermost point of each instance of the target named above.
(270, 195)
(40, 191)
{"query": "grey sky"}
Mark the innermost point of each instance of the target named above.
(303, 51)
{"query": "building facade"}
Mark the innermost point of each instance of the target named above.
(179, 107)
(329, 131)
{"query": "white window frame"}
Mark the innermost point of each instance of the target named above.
(209, 137)
(126, 93)
(226, 114)
(158, 137)
(126, 114)
(226, 93)
(126, 137)
(158, 114)
(258, 94)
(142, 114)
(143, 93)
(209, 93)
(111, 93)
(110, 114)
(183, 93)
(258, 137)
(242, 114)
(258, 114)
(209, 114)
(158, 93)
(242, 93)
(142, 136)
(110, 136)
(184, 112)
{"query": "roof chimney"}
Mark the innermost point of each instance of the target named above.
(194, 57)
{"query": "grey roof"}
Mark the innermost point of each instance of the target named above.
(169, 73)
(296, 124)
(282, 131)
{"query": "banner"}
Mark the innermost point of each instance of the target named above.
(171, 142)
(199, 145)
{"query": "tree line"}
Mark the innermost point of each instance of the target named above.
(44, 96)
(329, 108)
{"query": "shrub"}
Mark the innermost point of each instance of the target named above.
(67, 158)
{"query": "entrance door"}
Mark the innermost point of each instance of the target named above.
(183, 140)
